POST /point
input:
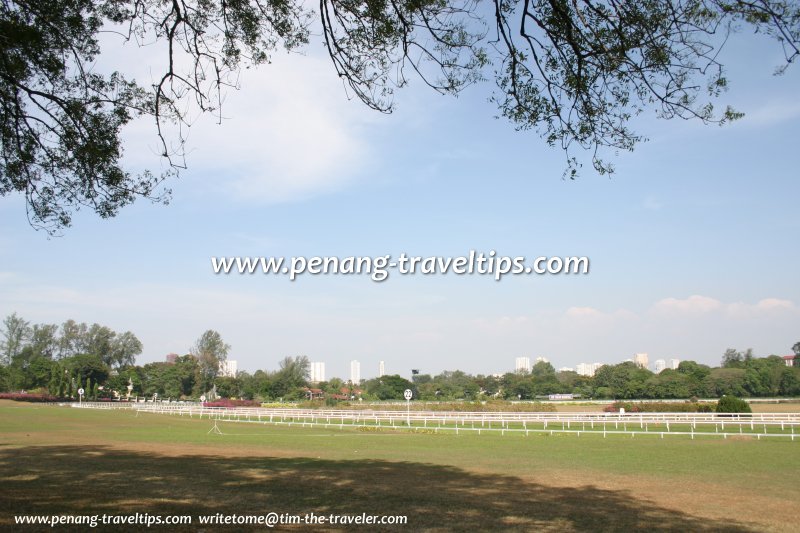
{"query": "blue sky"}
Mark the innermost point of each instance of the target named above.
(693, 242)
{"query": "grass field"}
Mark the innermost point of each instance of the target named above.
(57, 460)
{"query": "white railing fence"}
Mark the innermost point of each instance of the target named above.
(756, 425)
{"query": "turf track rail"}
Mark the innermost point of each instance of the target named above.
(756, 425)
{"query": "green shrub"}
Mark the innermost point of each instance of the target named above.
(732, 404)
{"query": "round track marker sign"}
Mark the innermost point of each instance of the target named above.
(407, 394)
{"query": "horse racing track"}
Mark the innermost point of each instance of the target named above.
(443, 472)
(786, 425)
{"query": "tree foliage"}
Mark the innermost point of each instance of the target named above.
(292, 374)
(732, 404)
(61, 121)
(578, 71)
(575, 71)
(625, 380)
(38, 355)
(85, 367)
(735, 359)
(16, 332)
(124, 349)
(44, 340)
(71, 338)
(209, 350)
(388, 387)
(53, 342)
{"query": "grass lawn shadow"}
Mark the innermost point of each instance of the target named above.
(55, 480)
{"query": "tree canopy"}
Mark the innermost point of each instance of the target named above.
(574, 71)
(49, 341)
(16, 332)
(210, 350)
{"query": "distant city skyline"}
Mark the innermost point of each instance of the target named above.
(317, 371)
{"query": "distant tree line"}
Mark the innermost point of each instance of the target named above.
(60, 359)
(185, 378)
(740, 375)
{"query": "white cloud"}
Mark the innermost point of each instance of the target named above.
(589, 316)
(289, 134)
(690, 305)
(584, 313)
(774, 303)
(703, 305)
(770, 114)
(764, 308)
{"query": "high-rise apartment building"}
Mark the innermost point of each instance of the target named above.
(355, 372)
(587, 369)
(660, 365)
(674, 363)
(522, 365)
(381, 369)
(641, 360)
(317, 372)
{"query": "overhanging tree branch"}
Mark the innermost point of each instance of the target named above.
(574, 71)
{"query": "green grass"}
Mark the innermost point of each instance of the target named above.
(61, 460)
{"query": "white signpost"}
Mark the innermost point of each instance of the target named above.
(80, 395)
(407, 394)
